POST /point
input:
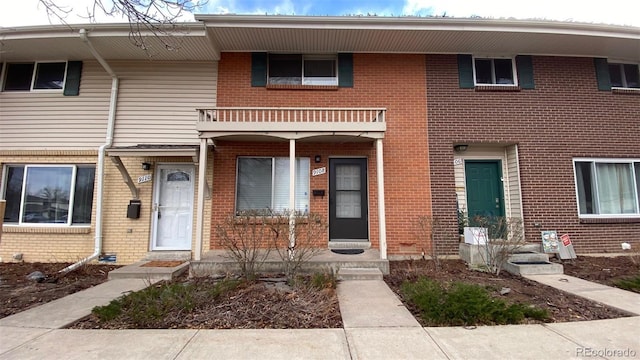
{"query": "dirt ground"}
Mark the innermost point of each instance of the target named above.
(18, 294)
(562, 307)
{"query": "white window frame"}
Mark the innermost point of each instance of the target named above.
(493, 70)
(312, 80)
(273, 179)
(5, 70)
(594, 161)
(621, 64)
(72, 194)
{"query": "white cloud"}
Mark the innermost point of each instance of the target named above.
(621, 12)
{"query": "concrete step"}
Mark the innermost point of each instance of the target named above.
(359, 274)
(152, 273)
(168, 255)
(533, 268)
(528, 256)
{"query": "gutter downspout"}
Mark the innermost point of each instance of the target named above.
(101, 153)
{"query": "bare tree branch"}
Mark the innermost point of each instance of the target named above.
(155, 18)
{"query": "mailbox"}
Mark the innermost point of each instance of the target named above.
(133, 210)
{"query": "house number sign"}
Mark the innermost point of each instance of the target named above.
(318, 171)
(144, 178)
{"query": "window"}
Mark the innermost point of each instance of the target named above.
(302, 69)
(608, 188)
(35, 76)
(49, 194)
(263, 183)
(624, 75)
(490, 71)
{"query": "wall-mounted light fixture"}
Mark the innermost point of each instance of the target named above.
(318, 158)
(460, 148)
(146, 166)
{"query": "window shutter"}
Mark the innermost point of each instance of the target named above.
(602, 74)
(72, 83)
(465, 71)
(258, 69)
(345, 70)
(524, 65)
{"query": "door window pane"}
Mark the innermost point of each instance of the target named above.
(348, 191)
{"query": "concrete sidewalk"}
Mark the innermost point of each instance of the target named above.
(376, 326)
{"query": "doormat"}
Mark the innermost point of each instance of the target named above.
(158, 263)
(348, 251)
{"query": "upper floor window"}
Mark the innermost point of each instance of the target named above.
(608, 187)
(624, 75)
(303, 69)
(34, 76)
(49, 194)
(494, 71)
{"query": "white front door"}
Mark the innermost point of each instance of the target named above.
(173, 207)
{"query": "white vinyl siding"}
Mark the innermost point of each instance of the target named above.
(42, 120)
(514, 198)
(157, 101)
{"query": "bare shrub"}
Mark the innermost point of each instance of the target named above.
(295, 239)
(425, 229)
(504, 236)
(246, 237)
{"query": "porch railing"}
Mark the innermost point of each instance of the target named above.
(291, 115)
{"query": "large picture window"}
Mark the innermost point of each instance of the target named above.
(607, 188)
(49, 194)
(263, 184)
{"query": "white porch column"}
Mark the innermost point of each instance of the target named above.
(292, 193)
(381, 211)
(202, 184)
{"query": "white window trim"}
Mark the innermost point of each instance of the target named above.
(273, 177)
(312, 80)
(624, 79)
(606, 161)
(513, 70)
(5, 69)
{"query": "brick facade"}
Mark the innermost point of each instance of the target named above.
(564, 117)
(395, 82)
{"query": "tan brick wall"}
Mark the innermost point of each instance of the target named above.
(564, 117)
(392, 81)
(129, 239)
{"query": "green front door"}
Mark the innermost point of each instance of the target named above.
(484, 188)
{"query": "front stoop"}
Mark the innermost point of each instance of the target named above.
(137, 271)
(359, 274)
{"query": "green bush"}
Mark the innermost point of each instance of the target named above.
(145, 307)
(631, 284)
(464, 304)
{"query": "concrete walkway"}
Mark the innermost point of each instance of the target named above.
(376, 326)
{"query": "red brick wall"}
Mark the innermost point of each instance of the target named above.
(395, 82)
(564, 117)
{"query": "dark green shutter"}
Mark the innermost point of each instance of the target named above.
(72, 83)
(345, 70)
(258, 69)
(524, 65)
(465, 71)
(602, 74)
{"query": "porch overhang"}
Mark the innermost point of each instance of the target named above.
(151, 150)
(302, 124)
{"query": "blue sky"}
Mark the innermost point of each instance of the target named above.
(618, 12)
